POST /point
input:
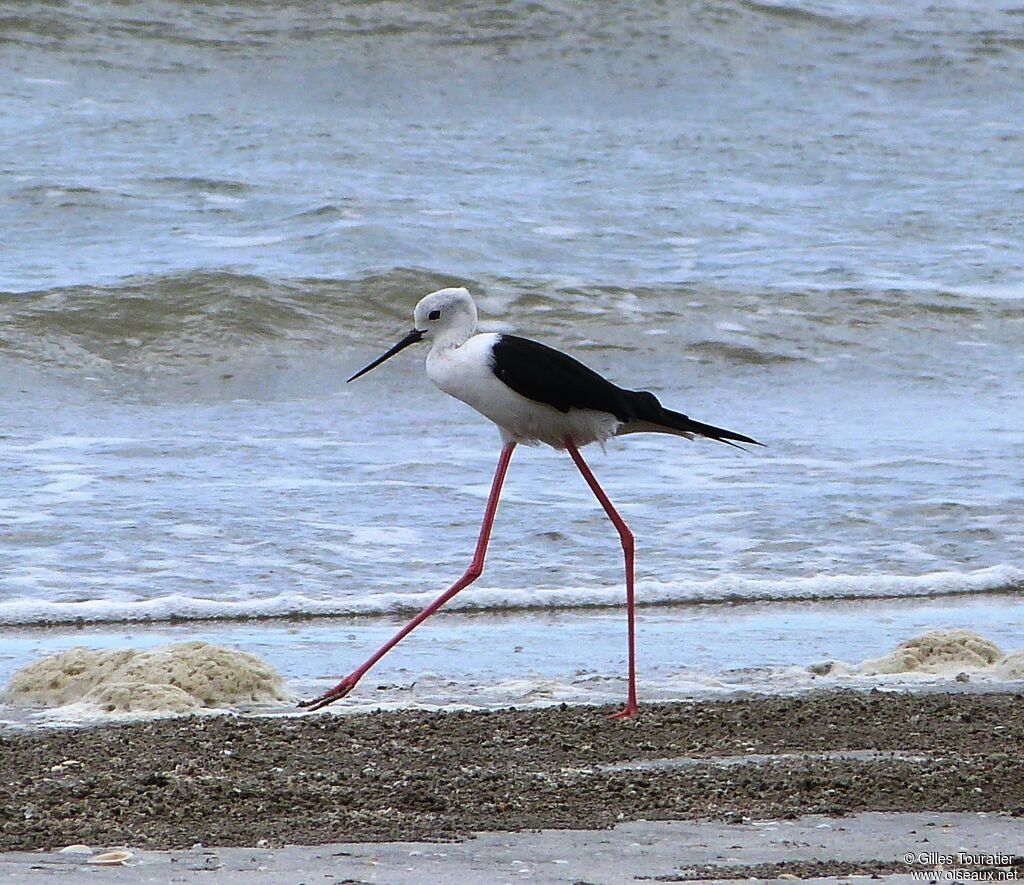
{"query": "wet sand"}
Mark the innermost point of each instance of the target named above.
(815, 849)
(233, 781)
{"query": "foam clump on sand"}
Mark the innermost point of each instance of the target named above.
(938, 653)
(942, 652)
(1011, 667)
(141, 697)
(178, 678)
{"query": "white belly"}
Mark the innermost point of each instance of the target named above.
(465, 373)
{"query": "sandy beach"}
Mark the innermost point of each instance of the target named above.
(234, 781)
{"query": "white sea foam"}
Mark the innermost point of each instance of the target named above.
(33, 610)
(937, 654)
(385, 536)
(933, 658)
(75, 442)
(67, 486)
(995, 291)
(1010, 667)
(179, 678)
(941, 652)
(226, 241)
(194, 530)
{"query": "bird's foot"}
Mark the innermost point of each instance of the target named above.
(626, 712)
(335, 694)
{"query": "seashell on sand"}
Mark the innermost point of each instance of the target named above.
(111, 858)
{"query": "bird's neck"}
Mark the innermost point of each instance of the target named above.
(452, 338)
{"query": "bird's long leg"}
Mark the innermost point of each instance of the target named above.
(474, 571)
(626, 536)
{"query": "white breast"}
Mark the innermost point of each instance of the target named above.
(466, 373)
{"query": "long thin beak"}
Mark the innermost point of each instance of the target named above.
(413, 336)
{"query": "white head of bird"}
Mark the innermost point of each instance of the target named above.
(446, 318)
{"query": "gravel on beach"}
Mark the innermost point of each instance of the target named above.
(407, 775)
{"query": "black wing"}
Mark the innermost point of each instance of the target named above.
(546, 375)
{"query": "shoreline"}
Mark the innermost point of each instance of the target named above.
(413, 775)
(480, 661)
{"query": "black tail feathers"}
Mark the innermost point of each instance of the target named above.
(648, 410)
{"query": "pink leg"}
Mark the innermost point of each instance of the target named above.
(626, 536)
(474, 571)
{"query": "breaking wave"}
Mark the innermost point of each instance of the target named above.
(34, 611)
(192, 318)
(188, 320)
(256, 29)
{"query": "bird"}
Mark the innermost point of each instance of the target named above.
(535, 395)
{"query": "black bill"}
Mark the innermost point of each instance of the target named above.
(413, 336)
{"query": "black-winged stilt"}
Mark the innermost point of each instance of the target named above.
(535, 395)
